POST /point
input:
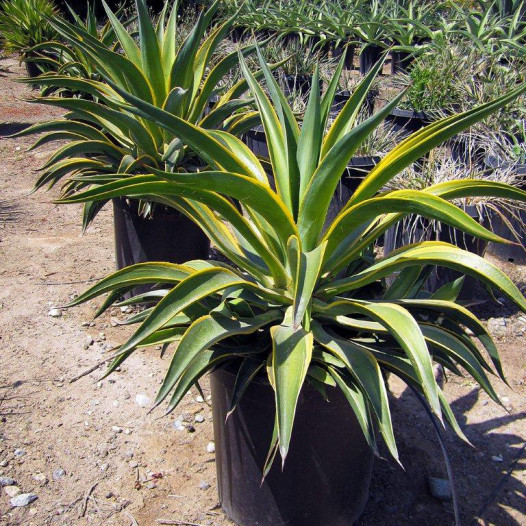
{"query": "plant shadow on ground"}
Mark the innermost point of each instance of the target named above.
(484, 488)
(10, 128)
(8, 212)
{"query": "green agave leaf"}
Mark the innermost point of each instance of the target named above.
(402, 367)
(352, 223)
(310, 138)
(323, 183)
(431, 253)
(453, 347)
(248, 370)
(366, 374)
(306, 280)
(202, 335)
(200, 365)
(424, 140)
(460, 315)
(359, 405)
(126, 40)
(346, 119)
(291, 356)
(130, 277)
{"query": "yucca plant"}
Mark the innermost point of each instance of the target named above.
(298, 302)
(105, 138)
(23, 25)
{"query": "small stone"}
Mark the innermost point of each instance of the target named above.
(127, 431)
(104, 467)
(211, 447)
(497, 458)
(12, 491)
(41, 478)
(55, 313)
(199, 418)
(24, 499)
(109, 495)
(126, 396)
(88, 342)
(204, 485)
(151, 485)
(58, 474)
(3, 463)
(116, 429)
(178, 425)
(133, 464)
(142, 400)
(505, 399)
(102, 336)
(190, 428)
(19, 452)
(85, 324)
(440, 488)
(7, 481)
(199, 399)
(485, 402)
(115, 403)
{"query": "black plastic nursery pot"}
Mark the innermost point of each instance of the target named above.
(343, 96)
(400, 61)
(406, 122)
(326, 476)
(417, 229)
(299, 84)
(369, 56)
(354, 174)
(256, 140)
(501, 225)
(167, 236)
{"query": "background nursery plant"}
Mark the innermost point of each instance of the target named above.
(102, 136)
(302, 303)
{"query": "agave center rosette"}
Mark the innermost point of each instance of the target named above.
(301, 301)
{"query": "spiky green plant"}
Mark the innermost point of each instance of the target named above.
(105, 138)
(72, 60)
(23, 24)
(283, 306)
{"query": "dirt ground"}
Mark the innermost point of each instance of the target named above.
(90, 452)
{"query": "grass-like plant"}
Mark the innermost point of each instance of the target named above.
(301, 301)
(102, 136)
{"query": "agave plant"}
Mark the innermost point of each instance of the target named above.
(301, 301)
(105, 138)
(72, 60)
(23, 25)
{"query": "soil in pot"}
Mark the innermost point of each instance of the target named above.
(417, 229)
(167, 236)
(369, 56)
(327, 473)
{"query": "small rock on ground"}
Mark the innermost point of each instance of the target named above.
(12, 491)
(24, 499)
(7, 481)
(440, 488)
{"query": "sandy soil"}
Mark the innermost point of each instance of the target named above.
(93, 455)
